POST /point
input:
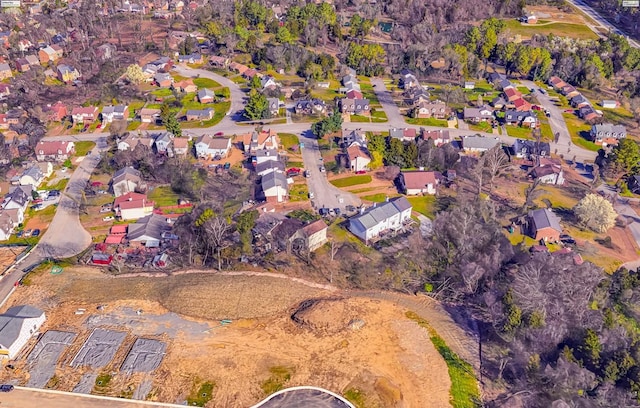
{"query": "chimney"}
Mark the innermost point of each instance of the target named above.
(362, 210)
(386, 199)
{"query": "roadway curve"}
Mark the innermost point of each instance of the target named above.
(586, 9)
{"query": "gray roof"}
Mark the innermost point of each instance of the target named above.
(274, 179)
(479, 142)
(12, 320)
(610, 128)
(269, 164)
(162, 137)
(514, 115)
(375, 215)
(152, 226)
(199, 112)
(34, 172)
(18, 196)
(206, 93)
(544, 218)
(126, 170)
(114, 109)
(266, 222)
(274, 103)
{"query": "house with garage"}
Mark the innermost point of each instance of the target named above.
(530, 149)
(579, 101)
(190, 59)
(428, 109)
(588, 113)
(609, 104)
(22, 65)
(548, 171)
(88, 114)
(268, 82)
(206, 96)
(439, 137)
(130, 141)
(408, 79)
(310, 107)
(216, 148)
(406, 134)
(269, 166)
(111, 113)
(163, 79)
(186, 86)
(131, 206)
(544, 225)
(273, 105)
(219, 61)
(607, 134)
(511, 94)
(311, 236)
(557, 83)
(180, 146)
(264, 155)
(418, 182)
(569, 91)
(149, 231)
(521, 105)
(126, 180)
(274, 186)
(17, 199)
(475, 115)
(380, 219)
(6, 225)
(526, 119)
(358, 158)
(55, 151)
(67, 73)
(265, 139)
(56, 112)
(32, 176)
(148, 115)
(353, 137)
(17, 326)
(50, 53)
(354, 106)
(199, 114)
(477, 143)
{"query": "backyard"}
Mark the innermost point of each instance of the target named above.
(163, 196)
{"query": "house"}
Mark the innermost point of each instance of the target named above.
(129, 142)
(125, 180)
(274, 106)
(588, 113)
(439, 136)
(498, 102)
(349, 80)
(190, 59)
(149, 231)
(87, 114)
(521, 105)
(495, 77)
(208, 147)
(609, 104)
(219, 61)
(579, 101)
(403, 134)
(17, 325)
(163, 79)
(354, 94)
(199, 114)
(478, 143)
(50, 53)
(131, 206)
(162, 142)
(6, 225)
(525, 119)
(311, 236)
(548, 172)
(249, 73)
(264, 155)
(22, 65)
(269, 166)
(418, 182)
(353, 138)
(475, 115)
(469, 85)
(118, 112)
(32, 60)
(4, 91)
(544, 225)
(67, 73)
(408, 79)
(375, 221)
(358, 158)
(149, 115)
(32, 176)
(310, 107)
(504, 84)
(528, 149)
(266, 139)
(268, 82)
(46, 168)
(275, 188)
(557, 83)
(5, 71)
(105, 52)
(354, 106)
(186, 86)
(206, 96)
(56, 112)
(435, 109)
(180, 146)
(239, 68)
(607, 133)
(101, 258)
(18, 199)
(511, 94)
(569, 91)
(57, 151)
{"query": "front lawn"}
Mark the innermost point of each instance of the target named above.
(134, 107)
(352, 181)
(424, 205)
(480, 127)
(220, 111)
(427, 122)
(360, 119)
(519, 132)
(579, 132)
(83, 147)
(60, 185)
(206, 83)
(162, 92)
(298, 192)
(163, 196)
(288, 140)
(376, 198)
(578, 31)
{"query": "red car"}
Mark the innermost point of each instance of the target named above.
(361, 172)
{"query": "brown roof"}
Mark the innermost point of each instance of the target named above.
(262, 137)
(180, 143)
(49, 147)
(314, 227)
(356, 151)
(89, 110)
(418, 179)
(184, 83)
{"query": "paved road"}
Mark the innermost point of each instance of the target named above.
(395, 119)
(558, 125)
(325, 194)
(304, 397)
(585, 8)
(22, 397)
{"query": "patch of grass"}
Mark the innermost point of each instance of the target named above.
(579, 130)
(424, 205)
(379, 114)
(133, 125)
(163, 196)
(375, 198)
(523, 90)
(102, 382)
(134, 107)
(288, 140)
(519, 132)
(355, 396)
(427, 122)
(367, 91)
(352, 181)
(298, 192)
(480, 127)
(295, 164)
(360, 119)
(206, 83)
(60, 185)
(83, 147)
(162, 92)
(178, 78)
(464, 386)
(279, 376)
(220, 111)
(516, 238)
(578, 31)
(201, 394)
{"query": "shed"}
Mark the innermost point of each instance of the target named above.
(100, 258)
(17, 325)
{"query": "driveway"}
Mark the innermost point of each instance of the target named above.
(325, 194)
(388, 105)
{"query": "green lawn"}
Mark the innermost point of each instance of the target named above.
(297, 164)
(578, 31)
(378, 115)
(60, 185)
(133, 125)
(480, 127)
(360, 119)
(464, 386)
(519, 132)
(162, 92)
(206, 83)
(288, 140)
(220, 111)
(352, 181)
(163, 196)
(134, 107)
(298, 192)
(423, 204)
(368, 93)
(427, 122)
(327, 94)
(83, 147)
(523, 90)
(376, 198)
(579, 130)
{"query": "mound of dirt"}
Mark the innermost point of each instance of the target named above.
(329, 316)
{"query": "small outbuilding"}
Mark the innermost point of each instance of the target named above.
(17, 325)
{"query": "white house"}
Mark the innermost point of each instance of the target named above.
(129, 142)
(32, 176)
(208, 147)
(381, 218)
(478, 143)
(17, 325)
(314, 235)
(111, 113)
(609, 104)
(6, 225)
(125, 180)
(132, 206)
(16, 199)
(418, 182)
(163, 141)
(265, 155)
(358, 158)
(548, 173)
(275, 187)
(469, 85)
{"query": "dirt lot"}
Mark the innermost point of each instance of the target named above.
(336, 343)
(8, 255)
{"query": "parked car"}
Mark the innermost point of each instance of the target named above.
(6, 387)
(35, 233)
(307, 174)
(361, 172)
(567, 239)
(19, 234)
(27, 233)
(337, 211)
(36, 207)
(350, 208)
(227, 166)
(311, 194)
(542, 91)
(322, 169)
(323, 211)
(108, 218)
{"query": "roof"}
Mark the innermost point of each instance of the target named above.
(269, 164)
(118, 229)
(435, 134)
(150, 226)
(113, 239)
(12, 320)
(180, 143)
(377, 214)
(609, 128)
(88, 110)
(129, 197)
(414, 180)
(149, 112)
(206, 93)
(314, 227)
(52, 147)
(479, 142)
(274, 179)
(257, 137)
(357, 151)
(214, 143)
(544, 218)
(126, 170)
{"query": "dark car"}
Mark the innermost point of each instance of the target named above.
(227, 165)
(6, 387)
(350, 208)
(323, 211)
(35, 233)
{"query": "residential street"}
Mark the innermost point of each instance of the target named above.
(388, 105)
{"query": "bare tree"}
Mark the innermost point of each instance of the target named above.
(496, 161)
(216, 229)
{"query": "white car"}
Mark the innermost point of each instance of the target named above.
(109, 218)
(310, 194)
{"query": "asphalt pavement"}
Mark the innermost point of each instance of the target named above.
(388, 105)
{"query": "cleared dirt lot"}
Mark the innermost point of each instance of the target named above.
(8, 255)
(336, 343)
